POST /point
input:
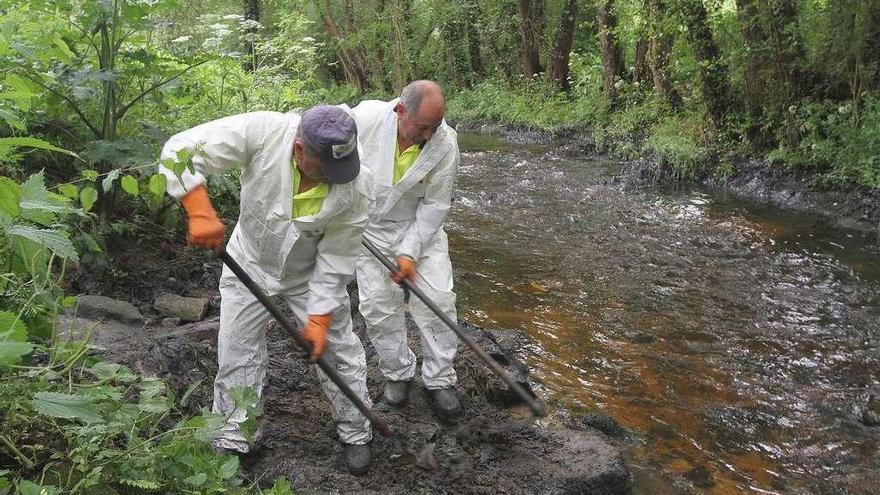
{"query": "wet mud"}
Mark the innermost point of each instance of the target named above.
(495, 446)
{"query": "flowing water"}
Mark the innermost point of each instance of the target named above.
(739, 342)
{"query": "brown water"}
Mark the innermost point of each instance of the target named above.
(738, 341)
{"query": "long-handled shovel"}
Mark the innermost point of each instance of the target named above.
(302, 343)
(537, 408)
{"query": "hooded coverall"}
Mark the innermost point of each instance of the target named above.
(408, 221)
(308, 260)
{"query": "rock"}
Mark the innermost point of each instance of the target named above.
(871, 414)
(102, 308)
(171, 322)
(604, 423)
(185, 308)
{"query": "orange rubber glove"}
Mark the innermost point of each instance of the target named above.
(205, 229)
(316, 334)
(406, 269)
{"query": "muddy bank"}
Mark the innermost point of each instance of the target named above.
(752, 179)
(493, 448)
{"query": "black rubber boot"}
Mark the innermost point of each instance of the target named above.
(358, 458)
(397, 393)
(445, 402)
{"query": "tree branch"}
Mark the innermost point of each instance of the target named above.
(122, 39)
(69, 102)
(122, 111)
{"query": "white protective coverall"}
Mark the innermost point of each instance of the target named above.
(408, 221)
(308, 260)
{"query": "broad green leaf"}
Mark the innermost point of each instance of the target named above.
(152, 397)
(115, 371)
(53, 240)
(87, 198)
(196, 480)
(11, 327)
(103, 394)
(121, 152)
(69, 191)
(91, 243)
(12, 121)
(26, 487)
(126, 414)
(66, 406)
(17, 83)
(207, 425)
(229, 468)
(130, 185)
(9, 197)
(158, 184)
(246, 398)
(107, 183)
(282, 486)
(21, 99)
(13, 338)
(16, 142)
(30, 256)
(11, 352)
(38, 205)
(63, 52)
(90, 174)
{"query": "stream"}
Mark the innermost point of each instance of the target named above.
(738, 342)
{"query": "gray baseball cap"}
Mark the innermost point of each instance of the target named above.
(332, 134)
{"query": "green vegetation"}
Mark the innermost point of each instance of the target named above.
(72, 423)
(90, 90)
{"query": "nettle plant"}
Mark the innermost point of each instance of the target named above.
(93, 65)
(70, 422)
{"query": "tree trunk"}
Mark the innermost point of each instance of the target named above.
(557, 70)
(473, 34)
(381, 71)
(400, 71)
(871, 47)
(409, 32)
(251, 13)
(612, 58)
(539, 25)
(788, 46)
(354, 72)
(713, 72)
(659, 49)
(754, 38)
(642, 71)
(453, 40)
(530, 63)
(357, 52)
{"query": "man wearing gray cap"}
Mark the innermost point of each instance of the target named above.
(304, 204)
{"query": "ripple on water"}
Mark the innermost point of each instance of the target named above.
(740, 341)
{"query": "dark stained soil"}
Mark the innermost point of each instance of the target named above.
(495, 446)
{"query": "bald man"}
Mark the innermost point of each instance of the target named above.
(414, 157)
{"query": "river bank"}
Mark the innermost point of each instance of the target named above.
(494, 447)
(797, 189)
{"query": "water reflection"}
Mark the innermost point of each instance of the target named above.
(735, 338)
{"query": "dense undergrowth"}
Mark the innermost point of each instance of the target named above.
(69, 421)
(840, 146)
